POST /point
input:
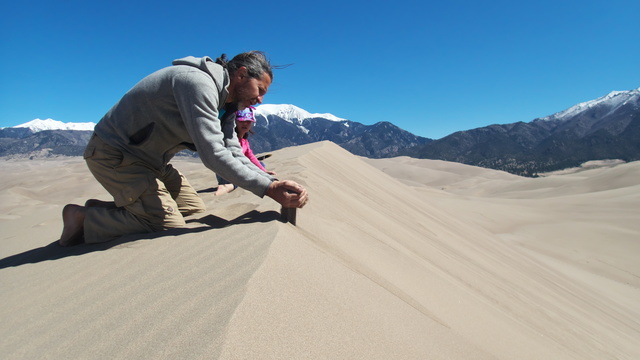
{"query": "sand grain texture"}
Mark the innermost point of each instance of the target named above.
(392, 259)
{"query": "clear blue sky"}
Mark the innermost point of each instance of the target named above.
(430, 67)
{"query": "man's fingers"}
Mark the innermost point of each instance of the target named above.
(296, 200)
(289, 194)
(292, 186)
(304, 198)
(301, 199)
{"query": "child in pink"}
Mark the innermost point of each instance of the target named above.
(244, 122)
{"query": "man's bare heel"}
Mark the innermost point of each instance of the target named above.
(73, 230)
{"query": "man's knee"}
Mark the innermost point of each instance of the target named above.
(160, 216)
(190, 205)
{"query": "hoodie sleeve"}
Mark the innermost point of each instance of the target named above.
(198, 101)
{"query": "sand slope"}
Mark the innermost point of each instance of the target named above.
(392, 259)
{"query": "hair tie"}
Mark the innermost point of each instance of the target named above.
(222, 60)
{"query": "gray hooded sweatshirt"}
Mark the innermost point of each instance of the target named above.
(178, 108)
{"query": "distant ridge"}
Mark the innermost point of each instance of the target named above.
(600, 129)
(277, 126)
(50, 124)
(280, 126)
(604, 128)
(614, 100)
(290, 112)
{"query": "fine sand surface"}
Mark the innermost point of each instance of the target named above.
(391, 259)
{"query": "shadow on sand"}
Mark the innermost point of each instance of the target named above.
(54, 251)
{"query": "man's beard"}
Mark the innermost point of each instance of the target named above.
(243, 99)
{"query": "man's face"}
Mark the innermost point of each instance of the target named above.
(246, 91)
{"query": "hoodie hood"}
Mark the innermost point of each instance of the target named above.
(219, 74)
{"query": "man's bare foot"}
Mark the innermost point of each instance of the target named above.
(73, 230)
(223, 189)
(100, 203)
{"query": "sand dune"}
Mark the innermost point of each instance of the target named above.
(392, 259)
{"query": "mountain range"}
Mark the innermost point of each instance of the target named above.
(277, 126)
(604, 128)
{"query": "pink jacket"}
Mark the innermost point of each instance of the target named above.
(246, 149)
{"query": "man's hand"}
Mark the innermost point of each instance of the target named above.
(288, 193)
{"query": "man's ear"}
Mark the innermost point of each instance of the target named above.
(242, 72)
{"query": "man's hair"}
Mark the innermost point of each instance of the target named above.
(255, 61)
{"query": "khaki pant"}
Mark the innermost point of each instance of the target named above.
(147, 199)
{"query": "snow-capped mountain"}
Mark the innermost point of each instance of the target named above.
(279, 126)
(42, 138)
(50, 124)
(612, 101)
(605, 128)
(292, 113)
